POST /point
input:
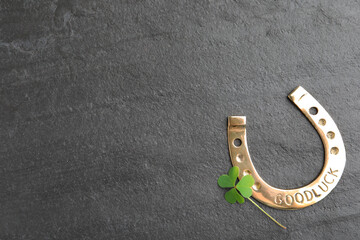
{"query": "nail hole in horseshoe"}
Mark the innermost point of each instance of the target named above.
(239, 158)
(322, 122)
(330, 135)
(256, 186)
(237, 142)
(247, 172)
(313, 111)
(334, 150)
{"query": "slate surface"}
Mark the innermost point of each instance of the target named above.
(113, 115)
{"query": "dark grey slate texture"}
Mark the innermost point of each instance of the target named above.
(113, 115)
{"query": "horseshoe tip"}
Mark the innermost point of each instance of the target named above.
(236, 120)
(297, 94)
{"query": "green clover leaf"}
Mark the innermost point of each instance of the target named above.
(232, 196)
(244, 186)
(228, 181)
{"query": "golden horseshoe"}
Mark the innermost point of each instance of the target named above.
(329, 176)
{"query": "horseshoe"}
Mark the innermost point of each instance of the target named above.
(325, 182)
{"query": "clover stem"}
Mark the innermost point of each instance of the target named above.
(267, 214)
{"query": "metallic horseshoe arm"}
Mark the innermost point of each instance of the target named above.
(328, 178)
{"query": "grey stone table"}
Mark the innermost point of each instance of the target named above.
(113, 116)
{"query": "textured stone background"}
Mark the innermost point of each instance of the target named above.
(113, 115)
